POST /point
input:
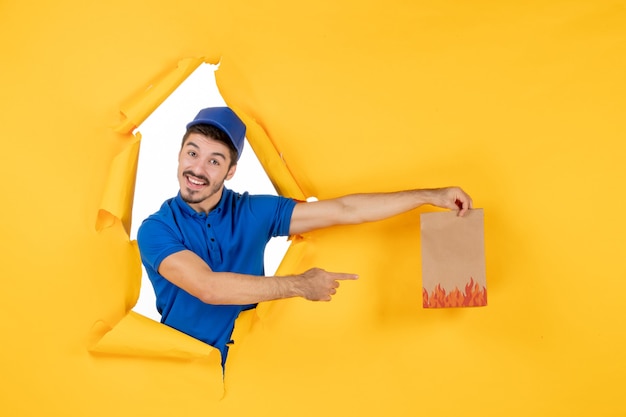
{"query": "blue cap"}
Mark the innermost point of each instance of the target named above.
(225, 119)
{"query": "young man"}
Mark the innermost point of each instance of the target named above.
(203, 250)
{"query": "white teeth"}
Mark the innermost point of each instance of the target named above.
(194, 181)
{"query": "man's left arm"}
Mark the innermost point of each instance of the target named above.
(361, 208)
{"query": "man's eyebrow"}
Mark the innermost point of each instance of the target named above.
(190, 143)
(219, 154)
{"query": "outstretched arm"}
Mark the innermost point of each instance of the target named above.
(361, 208)
(188, 271)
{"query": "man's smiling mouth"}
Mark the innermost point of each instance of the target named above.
(194, 180)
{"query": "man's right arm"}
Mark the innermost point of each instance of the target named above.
(189, 272)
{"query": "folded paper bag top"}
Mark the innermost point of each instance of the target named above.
(453, 259)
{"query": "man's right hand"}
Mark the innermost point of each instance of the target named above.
(317, 284)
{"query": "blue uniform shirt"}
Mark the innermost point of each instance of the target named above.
(231, 238)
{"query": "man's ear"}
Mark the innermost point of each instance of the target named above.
(231, 171)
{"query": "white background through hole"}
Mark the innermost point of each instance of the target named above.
(162, 133)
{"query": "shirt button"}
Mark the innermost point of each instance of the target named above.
(208, 225)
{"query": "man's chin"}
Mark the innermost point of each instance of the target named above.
(191, 197)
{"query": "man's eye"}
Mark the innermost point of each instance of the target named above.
(214, 162)
(191, 153)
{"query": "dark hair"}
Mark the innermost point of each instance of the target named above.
(215, 133)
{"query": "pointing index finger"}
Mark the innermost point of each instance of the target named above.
(344, 276)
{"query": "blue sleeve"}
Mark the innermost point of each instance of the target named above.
(156, 241)
(283, 216)
(273, 213)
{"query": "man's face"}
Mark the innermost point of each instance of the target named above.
(203, 166)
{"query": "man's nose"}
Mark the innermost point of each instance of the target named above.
(197, 166)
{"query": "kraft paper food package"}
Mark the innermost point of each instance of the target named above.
(453, 259)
